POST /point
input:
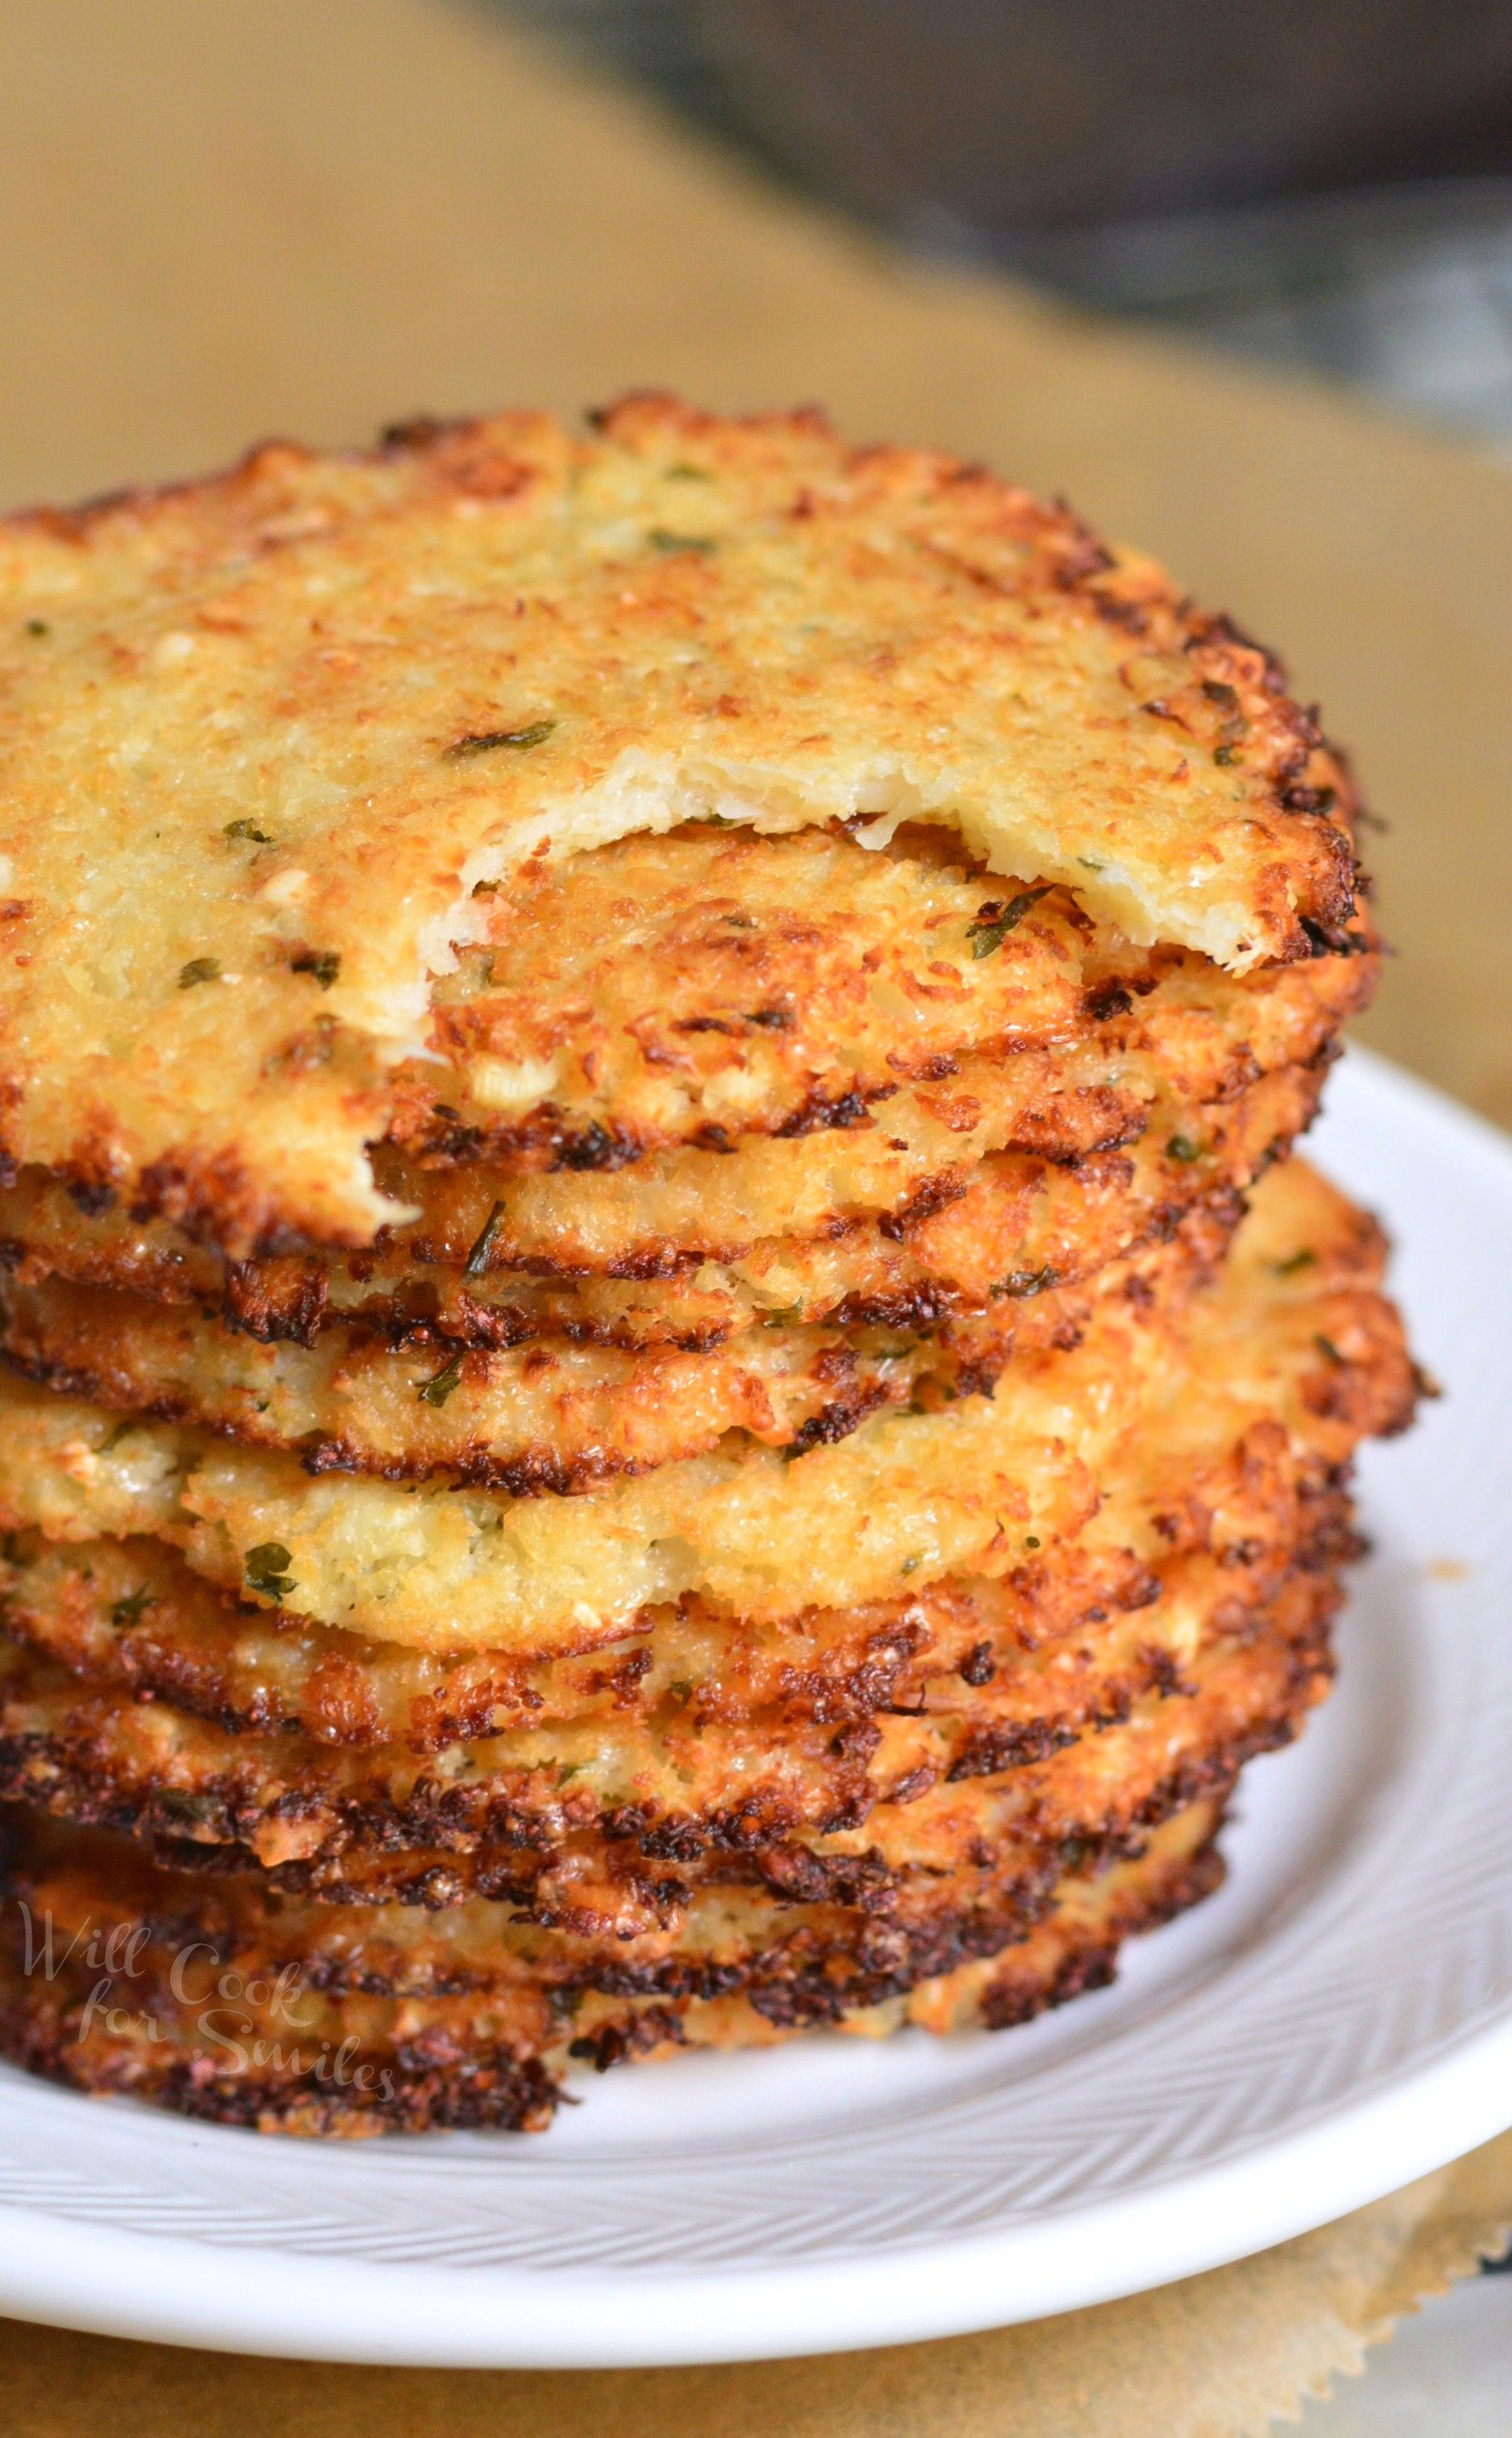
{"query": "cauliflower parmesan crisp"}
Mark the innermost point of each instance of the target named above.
(666, 1378)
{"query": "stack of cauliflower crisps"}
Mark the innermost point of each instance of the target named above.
(665, 1379)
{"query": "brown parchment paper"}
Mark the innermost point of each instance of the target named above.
(1213, 2357)
(224, 217)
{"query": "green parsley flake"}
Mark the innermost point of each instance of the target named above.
(783, 1318)
(199, 969)
(477, 1262)
(491, 739)
(989, 931)
(197, 1809)
(1023, 1283)
(435, 1392)
(267, 1568)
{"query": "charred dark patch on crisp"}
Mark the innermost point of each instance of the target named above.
(932, 1197)
(1015, 1997)
(835, 1422)
(511, 2085)
(420, 1838)
(1107, 998)
(820, 1113)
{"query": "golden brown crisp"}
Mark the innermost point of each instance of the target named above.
(988, 1841)
(668, 1777)
(1012, 1225)
(548, 1417)
(717, 983)
(1092, 1442)
(264, 736)
(425, 2049)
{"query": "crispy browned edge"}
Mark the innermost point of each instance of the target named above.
(410, 2087)
(1306, 778)
(500, 1827)
(789, 1871)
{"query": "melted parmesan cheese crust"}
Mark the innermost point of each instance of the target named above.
(620, 1791)
(712, 984)
(546, 1418)
(992, 1840)
(1295, 1324)
(924, 1203)
(1014, 1223)
(263, 737)
(130, 1614)
(427, 2052)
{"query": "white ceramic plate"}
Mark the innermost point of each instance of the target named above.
(1337, 2022)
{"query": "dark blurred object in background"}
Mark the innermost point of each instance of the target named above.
(1020, 115)
(1320, 183)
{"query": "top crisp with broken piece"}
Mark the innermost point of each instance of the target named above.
(262, 736)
